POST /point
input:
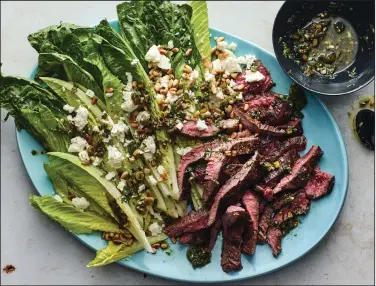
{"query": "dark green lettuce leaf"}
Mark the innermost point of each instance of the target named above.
(37, 110)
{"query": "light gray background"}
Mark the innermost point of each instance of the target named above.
(44, 253)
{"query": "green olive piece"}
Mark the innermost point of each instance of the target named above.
(339, 26)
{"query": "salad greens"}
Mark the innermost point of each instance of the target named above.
(96, 107)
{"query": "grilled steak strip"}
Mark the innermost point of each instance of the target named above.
(233, 226)
(286, 162)
(256, 126)
(282, 200)
(298, 143)
(300, 172)
(258, 86)
(252, 206)
(218, 159)
(274, 239)
(190, 129)
(231, 169)
(264, 223)
(294, 125)
(249, 174)
(214, 231)
(299, 206)
(194, 221)
(268, 108)
(199, 173)
(319, 184)
(194, 238)
(191, 157)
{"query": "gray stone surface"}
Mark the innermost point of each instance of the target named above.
(44, 253)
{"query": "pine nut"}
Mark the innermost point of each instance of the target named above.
(163, 52)
(220, 39)
(175, 50)
(188, 52)
(246, 107)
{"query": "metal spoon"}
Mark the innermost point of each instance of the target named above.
(365, 127)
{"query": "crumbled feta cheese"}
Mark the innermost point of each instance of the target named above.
(191, 94)
(201, 125)
(149, 145)
(58, 198)
(129, 87)
(97, 161)
(164, 81)
(109, 94)
(170, 44)
(194, 75)
(164, 63)
(232, 83)
(155, 229)
(70, 118)
(68, 108)
(251, 76)
(143, 117)
(141, 188)
(80, 120)
(157, 216)
(208, 76)
(90, 93)
(153, 54)
(106, 139)
(170, 98)
(152, 180)
(230, 65)
(220, 94)
(80, 203)
(161, 170)
(127, 142)
(217, 64)
(240, 96)
(119, 129)
(182, 151)
(110, 176)
(128, 104)
(222, 45)
(248, 60)
(232, 46)
(179, 125)
(96, 129)
(77, 145)
(84, 156)
(121, 185)
(115, 157)
(134, 62)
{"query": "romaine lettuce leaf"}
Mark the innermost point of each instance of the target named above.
(97, 176)
(200, 24)
(112, 252)
(37, 110)
(71, 218)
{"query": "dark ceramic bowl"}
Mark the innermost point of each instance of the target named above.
(294, 15)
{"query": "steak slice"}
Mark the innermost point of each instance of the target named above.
(286, 162)
(233, 226)
(251, 203)
(268, 108)
(298, 143)
(194, 221)
(256, 126)
(191, 157)
(218, 159)
(231, 169)
(300, 171)
(293, 127)
(199, 173)
(190, 129)
(214, 231)
(274, 239)
(299, 206)
(258, 86)
(249, 174)
(282, 200)
(319, 184)
(264, 223)
(195, 238)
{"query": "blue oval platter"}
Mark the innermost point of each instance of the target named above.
(320, 129)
